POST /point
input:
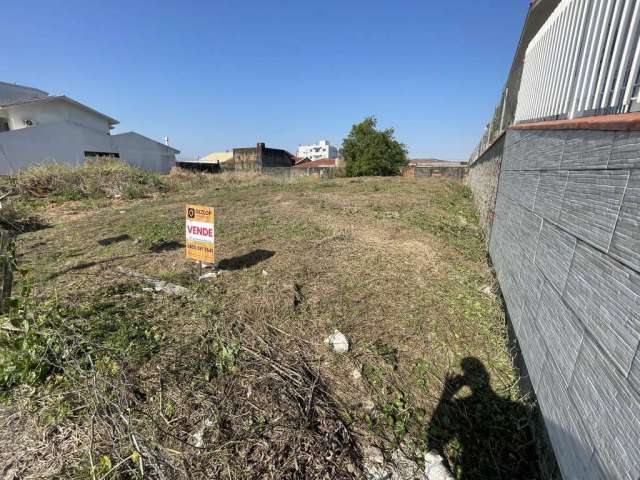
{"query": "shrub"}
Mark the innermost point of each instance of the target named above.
(369, 151)
(101, 180)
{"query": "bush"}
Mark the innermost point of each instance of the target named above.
(17, 218)
(369, 151)
(102, 180)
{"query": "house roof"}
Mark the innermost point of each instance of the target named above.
(324, 162)
(136, 134)
(37, 90)
(63, 98)
(215, 157)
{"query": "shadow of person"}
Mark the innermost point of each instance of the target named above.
(485, 436)
(245, 261)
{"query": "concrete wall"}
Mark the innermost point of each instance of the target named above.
(245, 158)
(254, 159)
(457, 171)
(483, 180)
(66, 142)
(273, 157)
(55, 143)
(144, 152)
(566, 249)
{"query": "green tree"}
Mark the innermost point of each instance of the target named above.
(368, 151)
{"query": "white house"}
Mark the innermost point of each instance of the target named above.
(318, 151)
(36, 127)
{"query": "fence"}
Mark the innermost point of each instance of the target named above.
(6, 275)
(584, 61)
(450, 171)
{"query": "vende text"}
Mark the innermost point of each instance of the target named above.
(200, 231)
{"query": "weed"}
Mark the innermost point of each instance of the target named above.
(387, 352)
(218, 357)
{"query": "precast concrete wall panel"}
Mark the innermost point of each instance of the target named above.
(565, 244)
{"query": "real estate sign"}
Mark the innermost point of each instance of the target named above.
(200, 231)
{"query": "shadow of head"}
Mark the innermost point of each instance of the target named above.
(485, 434)
(475, 375)
(245, 261)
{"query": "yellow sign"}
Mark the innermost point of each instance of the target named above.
(200, 231)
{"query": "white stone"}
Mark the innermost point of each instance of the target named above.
(338, 342)
(207, 275)
(435, 468)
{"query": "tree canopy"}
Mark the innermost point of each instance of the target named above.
(369, 151)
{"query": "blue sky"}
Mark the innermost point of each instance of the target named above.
(214, 75)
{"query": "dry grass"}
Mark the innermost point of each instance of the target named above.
(235, 382)
(59, 182)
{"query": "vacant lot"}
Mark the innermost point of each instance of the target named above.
(107, 379)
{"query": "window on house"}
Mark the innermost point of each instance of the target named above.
(4, 124)
(98, 157)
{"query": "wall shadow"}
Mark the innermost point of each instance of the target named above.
(487, 435)
(245, 261)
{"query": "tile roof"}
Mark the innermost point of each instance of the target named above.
(324, 162)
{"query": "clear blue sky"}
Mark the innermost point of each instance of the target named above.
(218, 74)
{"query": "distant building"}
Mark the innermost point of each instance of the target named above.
(144, 152)
(324, 163)
(317, 151)
(36, 127)
(217, 157)
(433, 162)
(259, 157)
(250, 158)
(432, 167)
(323, 167)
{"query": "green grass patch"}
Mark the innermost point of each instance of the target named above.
(108, 330)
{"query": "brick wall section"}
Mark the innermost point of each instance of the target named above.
(566, 249)
(482, 178)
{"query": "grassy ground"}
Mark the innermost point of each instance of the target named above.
(109, 380)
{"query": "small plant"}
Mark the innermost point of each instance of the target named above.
(30, 351)
(219, 356)
(387, 352)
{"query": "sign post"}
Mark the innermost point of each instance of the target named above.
(200, 232)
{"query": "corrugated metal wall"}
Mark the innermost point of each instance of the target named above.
(566, 248)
